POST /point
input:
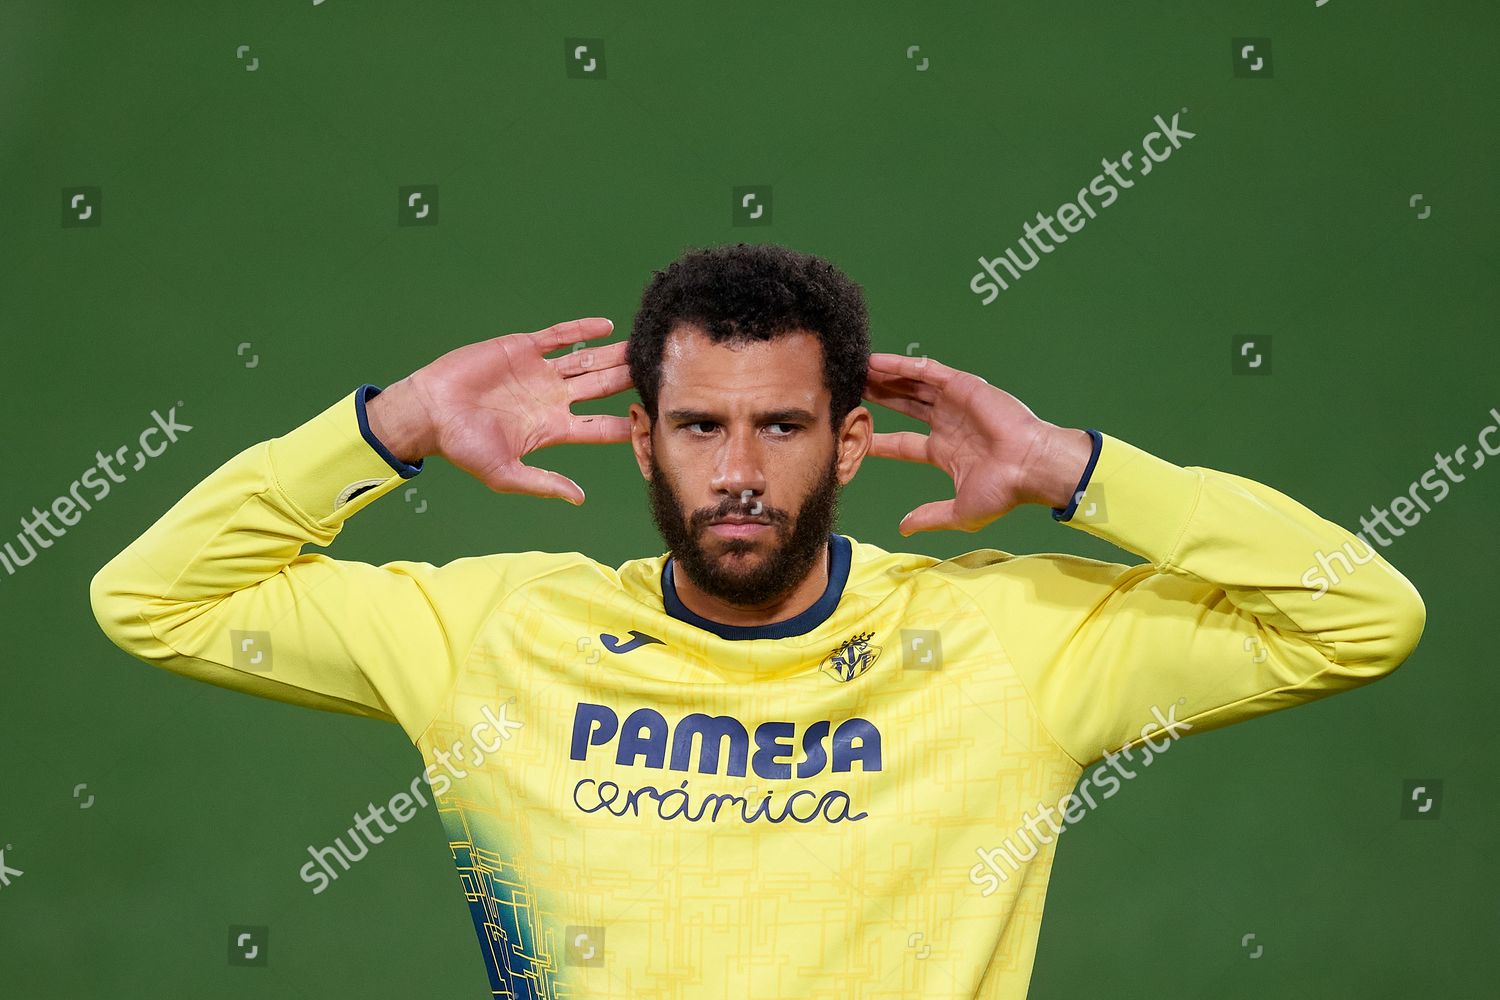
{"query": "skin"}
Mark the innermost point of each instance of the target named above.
(714, 450)
(485, 406)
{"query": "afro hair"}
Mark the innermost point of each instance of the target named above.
(755, 292)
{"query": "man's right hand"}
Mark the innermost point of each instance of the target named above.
(485, 406)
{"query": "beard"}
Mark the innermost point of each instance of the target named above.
(801, 539)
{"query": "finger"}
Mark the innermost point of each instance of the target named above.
(909, 446)
(580, 360)
(597, 428)
(886, 393)
(914, 388)
(928, 370)
(574, 330)
(935, 516)
(598, 384)
(518, 478)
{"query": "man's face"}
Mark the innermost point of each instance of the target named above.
(742, 431)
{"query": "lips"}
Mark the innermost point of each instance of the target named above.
(739, 526)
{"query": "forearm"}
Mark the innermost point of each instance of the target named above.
(1262, 548)
(1225, 622)
(234, 530)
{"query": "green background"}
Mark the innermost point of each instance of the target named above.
(260, 207)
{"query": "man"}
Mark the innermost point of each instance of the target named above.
(773, 761)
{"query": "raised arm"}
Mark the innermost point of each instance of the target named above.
(218, 589)
(1231, 617)
(1219, 626)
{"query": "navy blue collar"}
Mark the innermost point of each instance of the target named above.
(806, 621)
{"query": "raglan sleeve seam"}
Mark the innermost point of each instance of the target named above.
(461, 667)
(1017, 673)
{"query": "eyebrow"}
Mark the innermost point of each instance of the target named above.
(784, 415)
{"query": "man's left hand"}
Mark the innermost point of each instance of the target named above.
(999, 454)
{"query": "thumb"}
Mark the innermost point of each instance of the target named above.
(520, 478)
(930, 517)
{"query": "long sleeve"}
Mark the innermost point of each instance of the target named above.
(219, 590)
(1230, 618)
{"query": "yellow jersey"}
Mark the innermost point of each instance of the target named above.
(641, 802)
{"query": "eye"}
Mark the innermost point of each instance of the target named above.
(790, 429)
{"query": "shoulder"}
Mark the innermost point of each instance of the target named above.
(507, 572)
(985, 572)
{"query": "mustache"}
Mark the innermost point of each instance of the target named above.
(757, 509)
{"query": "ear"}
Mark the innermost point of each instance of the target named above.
(640, 438)
(853, 442)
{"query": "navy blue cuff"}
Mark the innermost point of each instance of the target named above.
(1066, 513)
(364, 394)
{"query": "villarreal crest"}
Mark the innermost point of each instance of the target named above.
(852, 658)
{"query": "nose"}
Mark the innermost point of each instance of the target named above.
(740, 471)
